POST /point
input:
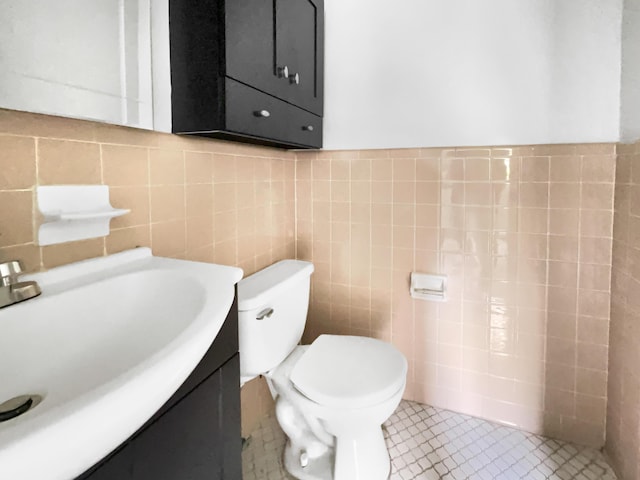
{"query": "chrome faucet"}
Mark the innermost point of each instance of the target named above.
(11, 289)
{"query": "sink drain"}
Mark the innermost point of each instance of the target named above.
(17, 406)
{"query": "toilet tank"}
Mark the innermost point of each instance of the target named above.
(272, 312)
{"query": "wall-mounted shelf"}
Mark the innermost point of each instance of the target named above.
(74, 212)
(94, 214)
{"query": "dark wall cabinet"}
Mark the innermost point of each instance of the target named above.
(248, 70)
(196, 434)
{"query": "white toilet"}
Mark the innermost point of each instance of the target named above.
(331, 396)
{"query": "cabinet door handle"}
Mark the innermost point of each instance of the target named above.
(283, 72)
(294, 78)
(308, 128)
(262, 113)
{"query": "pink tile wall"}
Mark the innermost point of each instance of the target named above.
(190, 198)
(623, 412)
(524, 235)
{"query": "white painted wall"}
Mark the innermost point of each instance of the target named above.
(415, 73)
(78, 59)
(630, 89)
(408, 73)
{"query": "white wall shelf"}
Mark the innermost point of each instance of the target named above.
(74, 212)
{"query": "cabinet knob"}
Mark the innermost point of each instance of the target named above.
(294, 78)
(308, 128)
(283, 72)
(262, 113)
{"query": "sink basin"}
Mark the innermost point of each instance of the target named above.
(105, 345)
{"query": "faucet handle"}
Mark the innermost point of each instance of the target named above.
(9, 272)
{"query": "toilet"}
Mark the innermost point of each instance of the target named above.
(331, 396)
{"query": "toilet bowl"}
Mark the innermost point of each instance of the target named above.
(331, 396)
(356, 441)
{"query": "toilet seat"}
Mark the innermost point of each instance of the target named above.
(343, 371)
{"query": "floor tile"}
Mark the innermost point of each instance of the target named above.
(427, 443)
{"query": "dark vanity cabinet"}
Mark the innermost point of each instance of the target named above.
(195, 435)
(248, 70)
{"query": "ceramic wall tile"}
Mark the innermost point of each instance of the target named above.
(190, 198)
(524, 235)
(623, 392)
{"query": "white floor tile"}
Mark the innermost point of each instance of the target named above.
(426, 443)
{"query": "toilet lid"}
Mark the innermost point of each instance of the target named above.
(346, 371)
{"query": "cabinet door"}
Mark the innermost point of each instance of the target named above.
(265, 36)
(185, 443)
(299, 46)
(230, 419)
(249, 48)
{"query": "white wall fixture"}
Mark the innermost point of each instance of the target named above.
(74, 212)
(161, 63)
(80, 59)
(427, 286)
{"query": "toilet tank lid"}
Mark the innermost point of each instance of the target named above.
(261, 287)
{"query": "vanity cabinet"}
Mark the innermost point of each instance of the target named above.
(195, 435)
(248, 70)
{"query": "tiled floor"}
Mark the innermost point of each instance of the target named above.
(429, 443)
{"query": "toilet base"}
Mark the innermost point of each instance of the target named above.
(319, 468)
(362, 456)
(341, 443)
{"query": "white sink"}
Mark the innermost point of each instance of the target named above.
(105, 345)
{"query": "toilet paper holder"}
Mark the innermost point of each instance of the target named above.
(427, 286)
